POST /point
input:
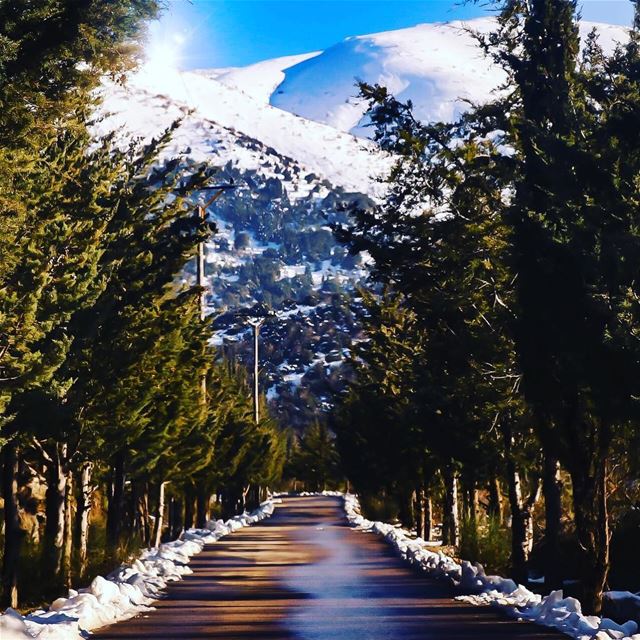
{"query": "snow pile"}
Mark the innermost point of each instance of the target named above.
(127, 591)
(437, 564)
(563, 614)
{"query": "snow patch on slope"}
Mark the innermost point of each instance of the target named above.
(220, 119)
(258, 80)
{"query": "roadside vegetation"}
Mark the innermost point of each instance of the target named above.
(499, 381)
(120, 425)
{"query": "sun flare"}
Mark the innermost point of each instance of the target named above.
(164, 54)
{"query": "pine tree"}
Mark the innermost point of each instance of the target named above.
(102, 351)
(51, 56)
(442, 241)
(556, 193)
(55, 276)
(574, 234)
(315, 459)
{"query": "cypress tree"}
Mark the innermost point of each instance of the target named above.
(574, 235)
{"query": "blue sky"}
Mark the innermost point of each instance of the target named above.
(220, 33)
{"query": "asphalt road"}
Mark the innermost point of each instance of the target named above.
(304, 574)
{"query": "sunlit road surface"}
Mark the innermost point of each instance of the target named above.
(304, 574)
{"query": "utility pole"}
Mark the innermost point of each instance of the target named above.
(256, 324)
(202, 213)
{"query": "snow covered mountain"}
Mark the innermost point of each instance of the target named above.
(436, 66)
(290, 134)
(303, 107)
(222, 123)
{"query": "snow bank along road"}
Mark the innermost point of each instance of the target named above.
(305, 574)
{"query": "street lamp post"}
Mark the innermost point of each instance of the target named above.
(256, 324)
(218, 190)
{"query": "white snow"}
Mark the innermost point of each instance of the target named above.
(297, 310)
(564, 614)
(219, 123)
(303, 107)
(294, 379)
(291, 271)
(258, 80)
(436, 66)
(129, 590)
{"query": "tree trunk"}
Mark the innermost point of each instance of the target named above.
(552, 490)
(243, 498)
(521, 521)
(12, 531)
(55, 499)
(450, 513)
(470, 510)
(405, 513)
(228, 503)
(140, 499)
(146, 519)
(233, 501)
(471, 501)
(592, 529)
(68, 530)
(176, 518)
(84, 511)
(202, 506)
(254, 497)
(189, 506)
(115, 511)
(428, 519)
(171, 517)
(495, 499)
(159, 521)
(420, 512)
(519, 547)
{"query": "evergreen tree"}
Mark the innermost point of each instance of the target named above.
(533, 190)
(51, 55)
(574, 235)
(102, 352)
(314, 459)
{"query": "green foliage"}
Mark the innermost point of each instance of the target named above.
(313, 458)
(379, 431)
(512, 236)
(103, 354)
(246, 453)
(379, 507)
(489, 544)
(52, 53)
